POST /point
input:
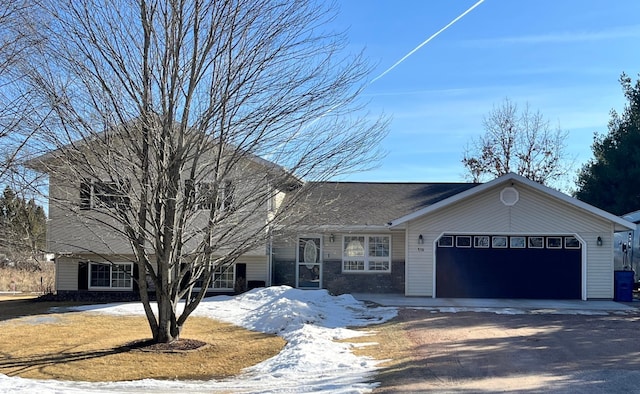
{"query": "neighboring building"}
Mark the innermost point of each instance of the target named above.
(627, 248)
(508, 238)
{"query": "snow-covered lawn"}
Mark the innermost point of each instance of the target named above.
(309, 320)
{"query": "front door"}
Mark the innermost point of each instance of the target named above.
(308, 266)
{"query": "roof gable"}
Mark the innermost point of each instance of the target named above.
(511, 178)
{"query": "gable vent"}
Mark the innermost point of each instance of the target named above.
(509, 196)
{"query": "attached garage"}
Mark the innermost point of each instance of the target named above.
(510, 238)
(515, 266)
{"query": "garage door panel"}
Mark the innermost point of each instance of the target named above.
(508, 273)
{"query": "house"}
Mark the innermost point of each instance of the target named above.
(508, 238)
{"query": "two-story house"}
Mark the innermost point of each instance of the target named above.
(508, 238)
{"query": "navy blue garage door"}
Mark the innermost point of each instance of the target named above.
(533, 267)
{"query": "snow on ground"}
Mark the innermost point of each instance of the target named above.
(309, 320)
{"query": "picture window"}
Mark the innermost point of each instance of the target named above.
(366, 253)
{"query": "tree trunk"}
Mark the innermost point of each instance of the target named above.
(168, 329)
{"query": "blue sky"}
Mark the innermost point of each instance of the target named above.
(562, 57)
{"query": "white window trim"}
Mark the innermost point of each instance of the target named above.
(512, 240)
(95, 198)
(542, 245)
(493, 242)
(92, 263)
(440, 244)
(366, 258)
(467, 237)
(479, 245)
(223, 198)
(555, 247)
(211, 288)
(571, 247)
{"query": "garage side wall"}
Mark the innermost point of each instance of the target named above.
(534, 213)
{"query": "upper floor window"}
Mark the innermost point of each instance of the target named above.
(207, 198)
(366, 253)
(104, 194)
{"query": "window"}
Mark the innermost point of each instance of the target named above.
(517, 242)
(111, 276)
(536, 242)
(554, 242)
(571, 243)
(499, 242)
(463, 241)
(207, 198)
(104, 194)
(446, 241)
(224, 278)
(481, 241)
(366, 253)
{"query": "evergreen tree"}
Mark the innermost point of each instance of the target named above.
(610, 179)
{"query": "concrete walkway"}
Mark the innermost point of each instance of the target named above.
(400, 300)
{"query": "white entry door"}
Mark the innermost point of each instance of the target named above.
(309, 263)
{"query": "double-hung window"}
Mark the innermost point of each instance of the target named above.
(224, 278)
(104, 194)
(116, 276)
(206, 197)
(366, 253)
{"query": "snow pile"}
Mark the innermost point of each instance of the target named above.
(309, 320)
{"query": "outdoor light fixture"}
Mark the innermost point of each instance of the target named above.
(332, 238)
(420, 239)
(599, 241)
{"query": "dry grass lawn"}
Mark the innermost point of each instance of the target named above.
(391, 345)
(83, 346)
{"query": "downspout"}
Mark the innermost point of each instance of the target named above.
(270, 260)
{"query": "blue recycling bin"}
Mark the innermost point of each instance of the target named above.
(623, 286)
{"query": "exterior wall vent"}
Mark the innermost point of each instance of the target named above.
(509, 196)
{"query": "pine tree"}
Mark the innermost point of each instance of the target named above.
(610, 179)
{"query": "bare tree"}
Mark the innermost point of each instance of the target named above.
(522, 142)
(181, 108)
(15, 41)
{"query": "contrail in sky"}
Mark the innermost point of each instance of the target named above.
(425, 42)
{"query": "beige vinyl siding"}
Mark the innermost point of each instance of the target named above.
(397, 246)
(331, 250)
(599, 265)
(66, 274)
(419, 267)
(257, 267)
(70, 230)
(535, 213)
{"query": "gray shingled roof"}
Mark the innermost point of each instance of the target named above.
(370, 204)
